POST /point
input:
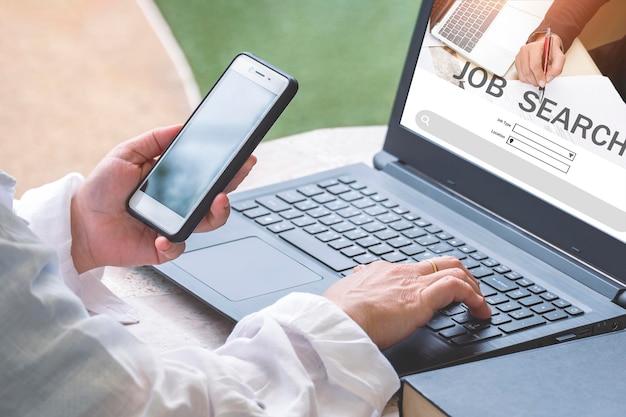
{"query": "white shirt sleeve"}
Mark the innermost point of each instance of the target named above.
(299, 357)
(47, 210)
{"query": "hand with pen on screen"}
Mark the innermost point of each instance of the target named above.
(540, 60)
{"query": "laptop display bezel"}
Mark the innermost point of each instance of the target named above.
(520, 208)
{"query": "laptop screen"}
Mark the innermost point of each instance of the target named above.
(551, 161)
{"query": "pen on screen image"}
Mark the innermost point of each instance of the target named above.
(547, 56)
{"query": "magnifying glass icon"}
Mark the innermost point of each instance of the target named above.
(425, 119)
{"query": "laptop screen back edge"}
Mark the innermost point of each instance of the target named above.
(434, 151)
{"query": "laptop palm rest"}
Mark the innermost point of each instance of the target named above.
(227, 268)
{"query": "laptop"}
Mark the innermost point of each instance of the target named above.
(539, 219)
(487, 32)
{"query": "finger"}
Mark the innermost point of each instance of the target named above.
(458, 273)
(148, 145)
(556, 64)
(217, 215)
(241, 174)
(168, 250)
(450, 289)
(443, 263)
(535, 64)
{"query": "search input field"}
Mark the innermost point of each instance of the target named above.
(524, 171)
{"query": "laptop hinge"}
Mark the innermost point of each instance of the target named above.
(620, 300)
(382, 159)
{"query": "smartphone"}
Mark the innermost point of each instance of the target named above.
(212, 146)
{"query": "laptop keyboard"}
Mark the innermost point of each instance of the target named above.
(469, 22)
(343, 223)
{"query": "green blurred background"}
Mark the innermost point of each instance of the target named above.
(346, 54)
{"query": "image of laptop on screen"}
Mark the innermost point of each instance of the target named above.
(487, 32)
(527, 207)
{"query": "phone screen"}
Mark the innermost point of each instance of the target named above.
(207, 142)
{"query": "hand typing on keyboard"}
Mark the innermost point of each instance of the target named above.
(390, 301)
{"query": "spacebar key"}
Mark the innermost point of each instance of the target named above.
(319, 250)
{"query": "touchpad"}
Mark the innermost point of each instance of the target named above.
(245, 268)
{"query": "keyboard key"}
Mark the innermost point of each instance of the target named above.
(401, 225)
(500, 319)
(513, 275)
(244, 205)
(463, 318)
(328, 183)
(510, 306)
(549, 296)
(323, 198)
(306, 205)
(352, 251)
(523, 282)
(315, 228)
(482, 272)
(373, 227)
(366, 259)
(348, 211)
(291, 214)
(303, 221)
(318, 250)
(574, 311)
(338, 189)
(328, 236)
(394, 257)
(543, 308)
(367, 241)
(499, 283)
(381, 249)
(517, 325)
(453, 332)
(452, 309)
(292, 196)
(477, 336)
(387, 234)
(440, 248)
(439, 322)
(496, 299)
(412, 249)
(427, 240)
(340, 243)
(521, 314)
(530, 301)
(350, 196)
(479, 256)
(309, 191)
(555, 315)
(343, 227)
(336, 205)
(267, 220)
(413, 233)
(281, 227)
(537, 289)
(273, 203)
(490, 262)
(399, 242)
(561, 303)
(375, 210)
(256, 212)
(518, 293)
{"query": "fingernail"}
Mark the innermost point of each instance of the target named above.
(550, 78)
(542, 83)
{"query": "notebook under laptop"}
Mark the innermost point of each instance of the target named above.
(483, 172)
(487, 32)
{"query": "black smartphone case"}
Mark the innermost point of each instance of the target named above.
(237, 162)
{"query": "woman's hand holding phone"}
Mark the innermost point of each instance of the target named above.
(104, 234)
(211, 147)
